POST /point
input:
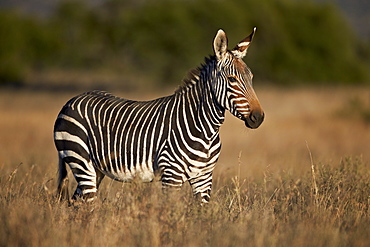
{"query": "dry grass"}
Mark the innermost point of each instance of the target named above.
(267, 189)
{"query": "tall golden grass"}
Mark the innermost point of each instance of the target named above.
(301, 179)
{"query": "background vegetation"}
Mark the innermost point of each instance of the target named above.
(157, 41)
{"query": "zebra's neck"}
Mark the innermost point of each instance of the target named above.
(197, 92)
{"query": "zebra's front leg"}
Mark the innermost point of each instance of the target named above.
(172, 178)
(202, 186)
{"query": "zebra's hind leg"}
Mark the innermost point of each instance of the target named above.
(99, 177)
(86, 177)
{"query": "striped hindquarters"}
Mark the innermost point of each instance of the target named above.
(119, 137)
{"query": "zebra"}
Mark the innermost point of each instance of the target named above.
(173, 138)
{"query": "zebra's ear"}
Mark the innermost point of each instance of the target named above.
(240, 50)
(220, 44)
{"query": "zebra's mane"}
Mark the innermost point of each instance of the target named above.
(193, 75)
(191, 79)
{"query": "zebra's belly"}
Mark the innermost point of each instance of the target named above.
(140, 173)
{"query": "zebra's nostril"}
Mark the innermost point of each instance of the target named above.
(255, 119)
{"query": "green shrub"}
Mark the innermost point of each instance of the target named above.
(296, 41)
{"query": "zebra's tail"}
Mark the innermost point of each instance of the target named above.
(63, 193)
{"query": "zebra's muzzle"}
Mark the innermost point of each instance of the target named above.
(255, 119)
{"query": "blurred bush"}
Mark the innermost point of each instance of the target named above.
(296, 42)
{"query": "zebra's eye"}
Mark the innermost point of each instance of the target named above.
(232, 79)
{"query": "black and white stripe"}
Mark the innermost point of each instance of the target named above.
(177, 136)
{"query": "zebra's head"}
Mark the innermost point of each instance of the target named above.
(234, 80)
